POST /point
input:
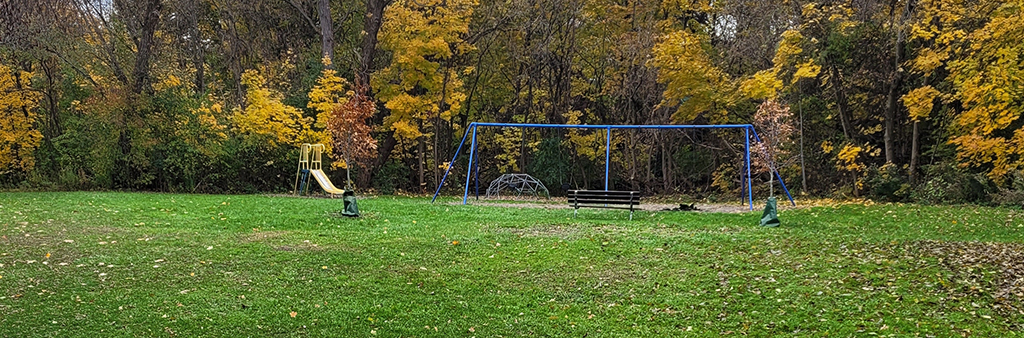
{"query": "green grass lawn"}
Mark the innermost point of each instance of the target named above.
(138, 264)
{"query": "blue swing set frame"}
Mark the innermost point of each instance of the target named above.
(471, 129)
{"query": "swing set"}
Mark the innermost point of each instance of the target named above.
(473, 169)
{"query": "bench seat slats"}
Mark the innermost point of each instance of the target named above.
(603, 193)
(602, 201)
(604, 207)
(606, 199)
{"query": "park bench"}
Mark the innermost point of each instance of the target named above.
(604, 199)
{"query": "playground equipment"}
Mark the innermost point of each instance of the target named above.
(311, 164)
(515, 185)
(748, 131)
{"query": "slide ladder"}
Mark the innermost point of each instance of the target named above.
(311, 164)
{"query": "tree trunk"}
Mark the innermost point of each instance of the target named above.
(896, 82)
(194, 46)
(383, 155)
(368, 48)
(890, 116)
(53, 123)
(326, 31)
(837, 86)
(150, 19)
(913, 154)
(803, 167)
(125, 170)
(200, 65)
(421, 150)
(666, 166)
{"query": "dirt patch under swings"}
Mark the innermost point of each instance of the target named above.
(552, 204)
(558, 231)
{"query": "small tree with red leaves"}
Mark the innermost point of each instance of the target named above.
(774, 125)
(351, 133)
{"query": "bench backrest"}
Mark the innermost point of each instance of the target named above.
(604, 197)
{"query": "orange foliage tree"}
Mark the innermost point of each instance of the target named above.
(774, 123)
(351, 134)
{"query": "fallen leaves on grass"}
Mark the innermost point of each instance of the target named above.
(293, 314)
(970, 260)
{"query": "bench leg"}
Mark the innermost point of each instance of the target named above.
(574, 211)
(630, 215)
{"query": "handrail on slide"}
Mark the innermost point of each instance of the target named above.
(311, 163)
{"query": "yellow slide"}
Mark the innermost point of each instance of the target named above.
(310, 160)
(325, 182)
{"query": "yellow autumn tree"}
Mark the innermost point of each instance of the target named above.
(766, 84)
(420, 83)
(329, 94)
(18, 136)
(978, 43)
(203, 129)
(920, 102)
(589, 143)
(692, 81)
(266, 118)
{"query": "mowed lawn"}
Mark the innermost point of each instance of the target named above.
(141, 264)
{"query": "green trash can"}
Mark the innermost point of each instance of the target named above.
(351, 207)
(770, 217)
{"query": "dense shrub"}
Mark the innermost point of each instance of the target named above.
(551, 165)
(886, 183)
(946, 183)
(393, 176)
(1013, 195)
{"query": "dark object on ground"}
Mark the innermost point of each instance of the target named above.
(770, 218)
(351, 207)
(684, 207)
(604, 199)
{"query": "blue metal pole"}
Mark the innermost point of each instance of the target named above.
(607, 156)
(476, 168)
(450, 165)
(750, 192)
(785, 189)
(743, 188)
(743, 182)
(469, 168)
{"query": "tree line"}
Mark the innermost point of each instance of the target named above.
(902, 100)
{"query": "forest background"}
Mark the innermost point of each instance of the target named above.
(897, 100)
